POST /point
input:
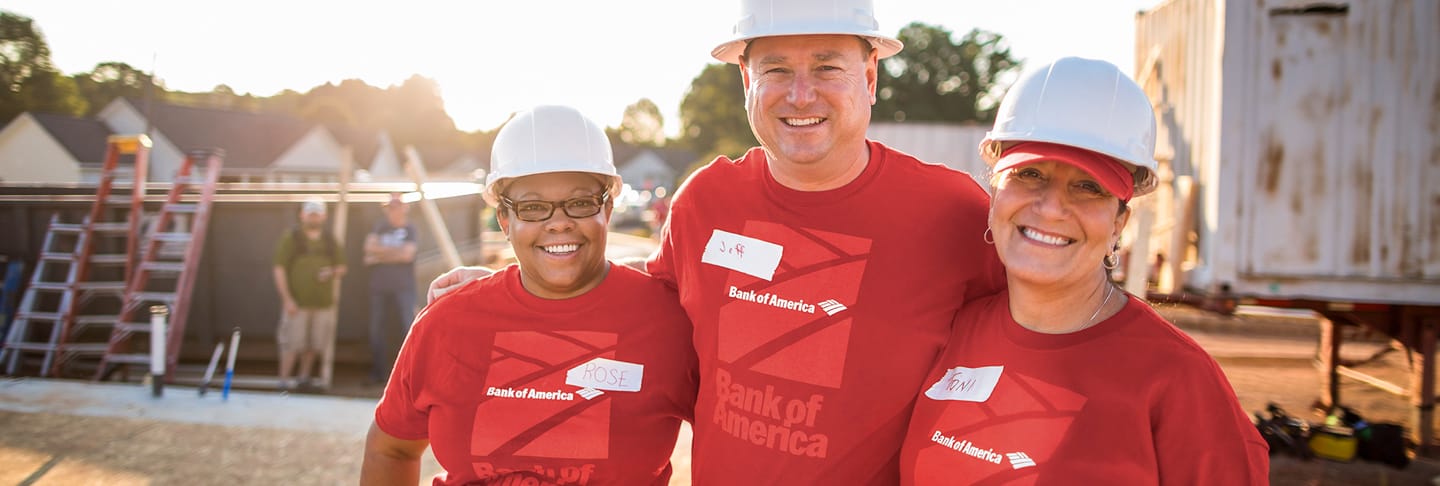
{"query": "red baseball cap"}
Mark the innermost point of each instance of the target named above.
(1113, 175)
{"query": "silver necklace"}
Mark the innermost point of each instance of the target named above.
(1091, 321)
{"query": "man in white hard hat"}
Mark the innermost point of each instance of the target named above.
(821, 270)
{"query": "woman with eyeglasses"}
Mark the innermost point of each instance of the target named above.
(560, 369)
(1062, 378)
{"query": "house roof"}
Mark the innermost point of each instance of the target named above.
(83, 138)
(250, 140)
(438, 158)
(365, 143)
(677, 158)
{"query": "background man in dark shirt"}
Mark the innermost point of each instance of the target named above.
(390, 257)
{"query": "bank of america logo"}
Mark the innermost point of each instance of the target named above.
(1019, 460)
(831, 307)
(590, 393)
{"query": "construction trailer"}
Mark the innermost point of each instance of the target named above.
(1300, 157)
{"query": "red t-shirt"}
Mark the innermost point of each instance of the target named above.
(582, 391)
(1131, 400)
(817, 314)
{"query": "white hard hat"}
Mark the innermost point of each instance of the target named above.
(313, 205)
(1083, 103)
(765, 18)
(550, 138)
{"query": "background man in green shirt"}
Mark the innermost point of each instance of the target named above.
(308, 262)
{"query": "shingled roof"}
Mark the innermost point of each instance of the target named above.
(83, 138)
(678, 159)
(365, 143)
(438, 157)
(250, 140)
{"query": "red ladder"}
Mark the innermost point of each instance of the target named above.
(168, 263)
(45, 323)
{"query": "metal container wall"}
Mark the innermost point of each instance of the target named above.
(955, 145)
(1313, 131)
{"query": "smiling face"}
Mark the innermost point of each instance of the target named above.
(1053, 223)
(560, 257)
(808, 97)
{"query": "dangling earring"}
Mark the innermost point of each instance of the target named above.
(988, 237)
(1111, 260)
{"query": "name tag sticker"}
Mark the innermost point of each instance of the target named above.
(605, 374)
(966, 384)
(757, 258)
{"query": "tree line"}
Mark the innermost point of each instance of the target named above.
(936, 78)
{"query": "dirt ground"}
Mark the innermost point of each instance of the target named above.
(1295, 387)
(56, 449)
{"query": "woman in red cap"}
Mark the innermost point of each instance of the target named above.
(1063, 378)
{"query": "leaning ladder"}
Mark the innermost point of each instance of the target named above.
(169, 261)
(62, 283)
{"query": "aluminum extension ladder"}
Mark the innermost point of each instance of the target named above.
(81, 265)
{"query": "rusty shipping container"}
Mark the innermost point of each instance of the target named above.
(1311, 131)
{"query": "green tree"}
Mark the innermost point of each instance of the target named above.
(642, 124)
(415, 114)
(287, 101)
(48, 91)
(28, 80)
(712, 113)
(352, 102)
(937, 79)
(110, 80)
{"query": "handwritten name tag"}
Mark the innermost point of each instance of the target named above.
(966, 384)
(606, 374)
(757, 258)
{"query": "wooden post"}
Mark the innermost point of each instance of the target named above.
(1137, 272)
(1422, 384)
(1330, 340)
(342, 216)
(483, 246)
(432, 212)
(1172, 275)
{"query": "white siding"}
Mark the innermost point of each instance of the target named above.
(385, 159)
(387, 165)
(28, 153)
(165, 158)
(647, 166)
(315, 157)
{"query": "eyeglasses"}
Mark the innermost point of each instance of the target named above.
(537, 210)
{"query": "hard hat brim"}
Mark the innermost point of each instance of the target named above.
(730, 51)
(1112, 174)
(995, 145)
(491, 193)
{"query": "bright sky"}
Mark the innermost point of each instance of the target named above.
(492, 58)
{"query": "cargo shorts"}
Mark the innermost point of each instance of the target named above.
(306, 330)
